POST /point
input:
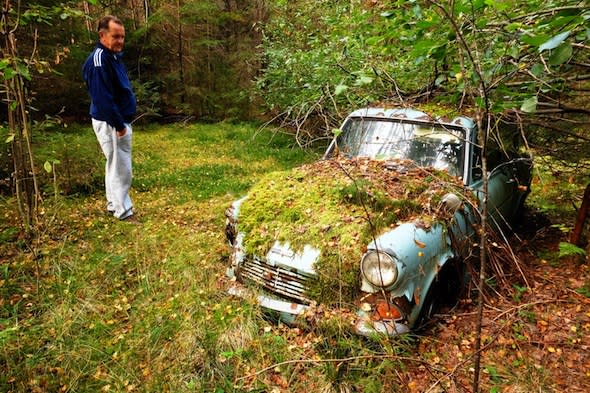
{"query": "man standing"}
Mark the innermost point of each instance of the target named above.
(112, 107)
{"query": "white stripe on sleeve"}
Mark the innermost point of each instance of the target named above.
(97, 57)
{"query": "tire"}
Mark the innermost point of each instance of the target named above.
(444, 292)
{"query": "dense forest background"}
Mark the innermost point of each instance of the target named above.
(307, 63)
(185, 58)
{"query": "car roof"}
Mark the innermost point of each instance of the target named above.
(413, 115)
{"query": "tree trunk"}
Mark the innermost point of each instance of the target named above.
(180, 52)
(24, 176)
(576, 237)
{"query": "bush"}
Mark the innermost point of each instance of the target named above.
(68, 160)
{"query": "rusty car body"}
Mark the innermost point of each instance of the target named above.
(405, 268)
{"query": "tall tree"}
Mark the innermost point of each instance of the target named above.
(15, 71)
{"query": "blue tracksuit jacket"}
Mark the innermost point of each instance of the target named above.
(111, 94)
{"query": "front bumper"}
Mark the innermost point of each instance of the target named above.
(364, 325)
(288, 310)
(367, 327)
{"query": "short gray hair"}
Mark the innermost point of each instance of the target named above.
(103, 23)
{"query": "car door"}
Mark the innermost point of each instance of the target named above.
(508, 185)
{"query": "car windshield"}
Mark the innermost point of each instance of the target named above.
(428, 145)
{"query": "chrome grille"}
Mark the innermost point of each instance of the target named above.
(280, 281)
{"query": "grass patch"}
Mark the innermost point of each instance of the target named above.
(76, 158)
(97, 305)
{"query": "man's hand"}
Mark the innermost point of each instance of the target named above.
(121, 133)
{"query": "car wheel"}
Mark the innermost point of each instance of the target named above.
(443, 293)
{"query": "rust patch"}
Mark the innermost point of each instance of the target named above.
(417, 295)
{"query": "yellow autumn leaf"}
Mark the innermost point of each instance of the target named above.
(419, 243)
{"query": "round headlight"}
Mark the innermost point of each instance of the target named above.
(379, 268)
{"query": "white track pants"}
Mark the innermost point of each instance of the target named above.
(118, 173)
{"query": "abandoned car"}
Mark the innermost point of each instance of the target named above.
(380, 226)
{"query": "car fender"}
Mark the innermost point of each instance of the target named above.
(420, 252)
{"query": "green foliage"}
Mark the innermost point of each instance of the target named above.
(36, 13)
(324, 58)
(317, 60)
(568, 250)
(548, 256)
(149, 100)
(75, 161)
(49, 36)
(519, 291)
(558, 185)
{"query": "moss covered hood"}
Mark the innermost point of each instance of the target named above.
(338, 206)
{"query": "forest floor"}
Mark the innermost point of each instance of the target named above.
(537, 339)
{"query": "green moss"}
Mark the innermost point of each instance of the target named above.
(338, 206)
(440, 110)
